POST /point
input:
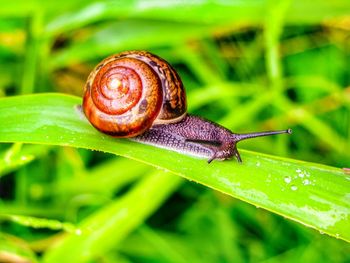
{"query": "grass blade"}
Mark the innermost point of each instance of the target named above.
(312, 194)
(119, 217)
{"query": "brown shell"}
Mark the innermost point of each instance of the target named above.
(129, 92)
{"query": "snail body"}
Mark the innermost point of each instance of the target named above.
(138, 95)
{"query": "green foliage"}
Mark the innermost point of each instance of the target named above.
(249, 65)
(313, 194)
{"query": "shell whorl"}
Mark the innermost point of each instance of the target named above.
(129, 92)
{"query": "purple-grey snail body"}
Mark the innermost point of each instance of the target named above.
(138, 95)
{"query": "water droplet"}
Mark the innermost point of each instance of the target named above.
(294, 187)
(258, 163)
(287, 179)
(78, 231)
(306, 182)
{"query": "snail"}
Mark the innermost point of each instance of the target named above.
(138, 95)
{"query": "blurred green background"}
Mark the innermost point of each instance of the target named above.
(248, 65)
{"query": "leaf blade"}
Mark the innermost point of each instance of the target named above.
(312, 194)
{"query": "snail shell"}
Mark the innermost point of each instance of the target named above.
(129, 92)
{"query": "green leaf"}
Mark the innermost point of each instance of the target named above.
(11, 159)
(15, 157)
(200, 11)
(13, 250)
(36, 222)
(312, 194)
(131, 35)
(102, 230)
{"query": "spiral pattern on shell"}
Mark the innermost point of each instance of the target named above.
(129, 92)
